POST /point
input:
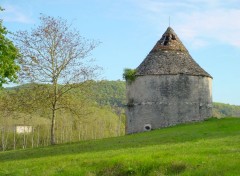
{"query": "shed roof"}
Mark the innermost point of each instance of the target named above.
(170, 57)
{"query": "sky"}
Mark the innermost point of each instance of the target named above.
(128, 30)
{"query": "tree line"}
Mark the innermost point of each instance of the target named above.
(102, 114)
(90, 119)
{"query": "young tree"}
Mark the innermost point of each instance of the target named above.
(56, 55)
(8, 56)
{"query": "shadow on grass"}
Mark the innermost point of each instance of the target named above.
(209, 129)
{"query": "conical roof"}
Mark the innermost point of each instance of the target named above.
(170, 57)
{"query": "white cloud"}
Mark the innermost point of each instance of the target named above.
(201, 22)
(15, 14)
(216, 25)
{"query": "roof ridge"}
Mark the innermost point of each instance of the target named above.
(169, 41)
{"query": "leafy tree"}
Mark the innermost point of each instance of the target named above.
(57, 55)
(8, 57)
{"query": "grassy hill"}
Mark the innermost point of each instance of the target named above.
(211, 147)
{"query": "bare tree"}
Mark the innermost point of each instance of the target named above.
(55, 55)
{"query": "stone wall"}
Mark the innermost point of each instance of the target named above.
(156, 101)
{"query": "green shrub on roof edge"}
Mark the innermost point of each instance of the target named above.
(129, 75)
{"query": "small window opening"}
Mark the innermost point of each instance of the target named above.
(147, 127)
(165, 43)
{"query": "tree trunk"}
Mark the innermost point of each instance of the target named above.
(52, 127)
(32, 137)
(3, 139)
(38, 139)
(24, 140)
(54, 106)
(119, 125)
(14, 138)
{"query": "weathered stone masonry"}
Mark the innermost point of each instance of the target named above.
(170, 88)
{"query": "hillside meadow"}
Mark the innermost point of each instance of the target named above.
(211, 147)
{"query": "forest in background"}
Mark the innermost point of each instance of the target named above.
(100, 106)
(98, 113)
(113, 93)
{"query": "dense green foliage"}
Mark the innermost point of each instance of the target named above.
(27, 105)
(109, 93)
(8, 56)
(129, 75)
(204, 148)
(225, 110)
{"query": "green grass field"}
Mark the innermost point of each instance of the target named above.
(211, 147)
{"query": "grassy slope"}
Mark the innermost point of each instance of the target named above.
(206, 148)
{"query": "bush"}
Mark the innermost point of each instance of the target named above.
(129, 75)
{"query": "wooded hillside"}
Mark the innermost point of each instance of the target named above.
(100, 114)
(113, 93)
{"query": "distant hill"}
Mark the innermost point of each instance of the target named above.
(225, 110)
(113, 93)
(102, 116)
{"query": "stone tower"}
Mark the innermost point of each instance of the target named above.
(170, 88)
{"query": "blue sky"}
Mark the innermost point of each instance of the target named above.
(128, 29)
